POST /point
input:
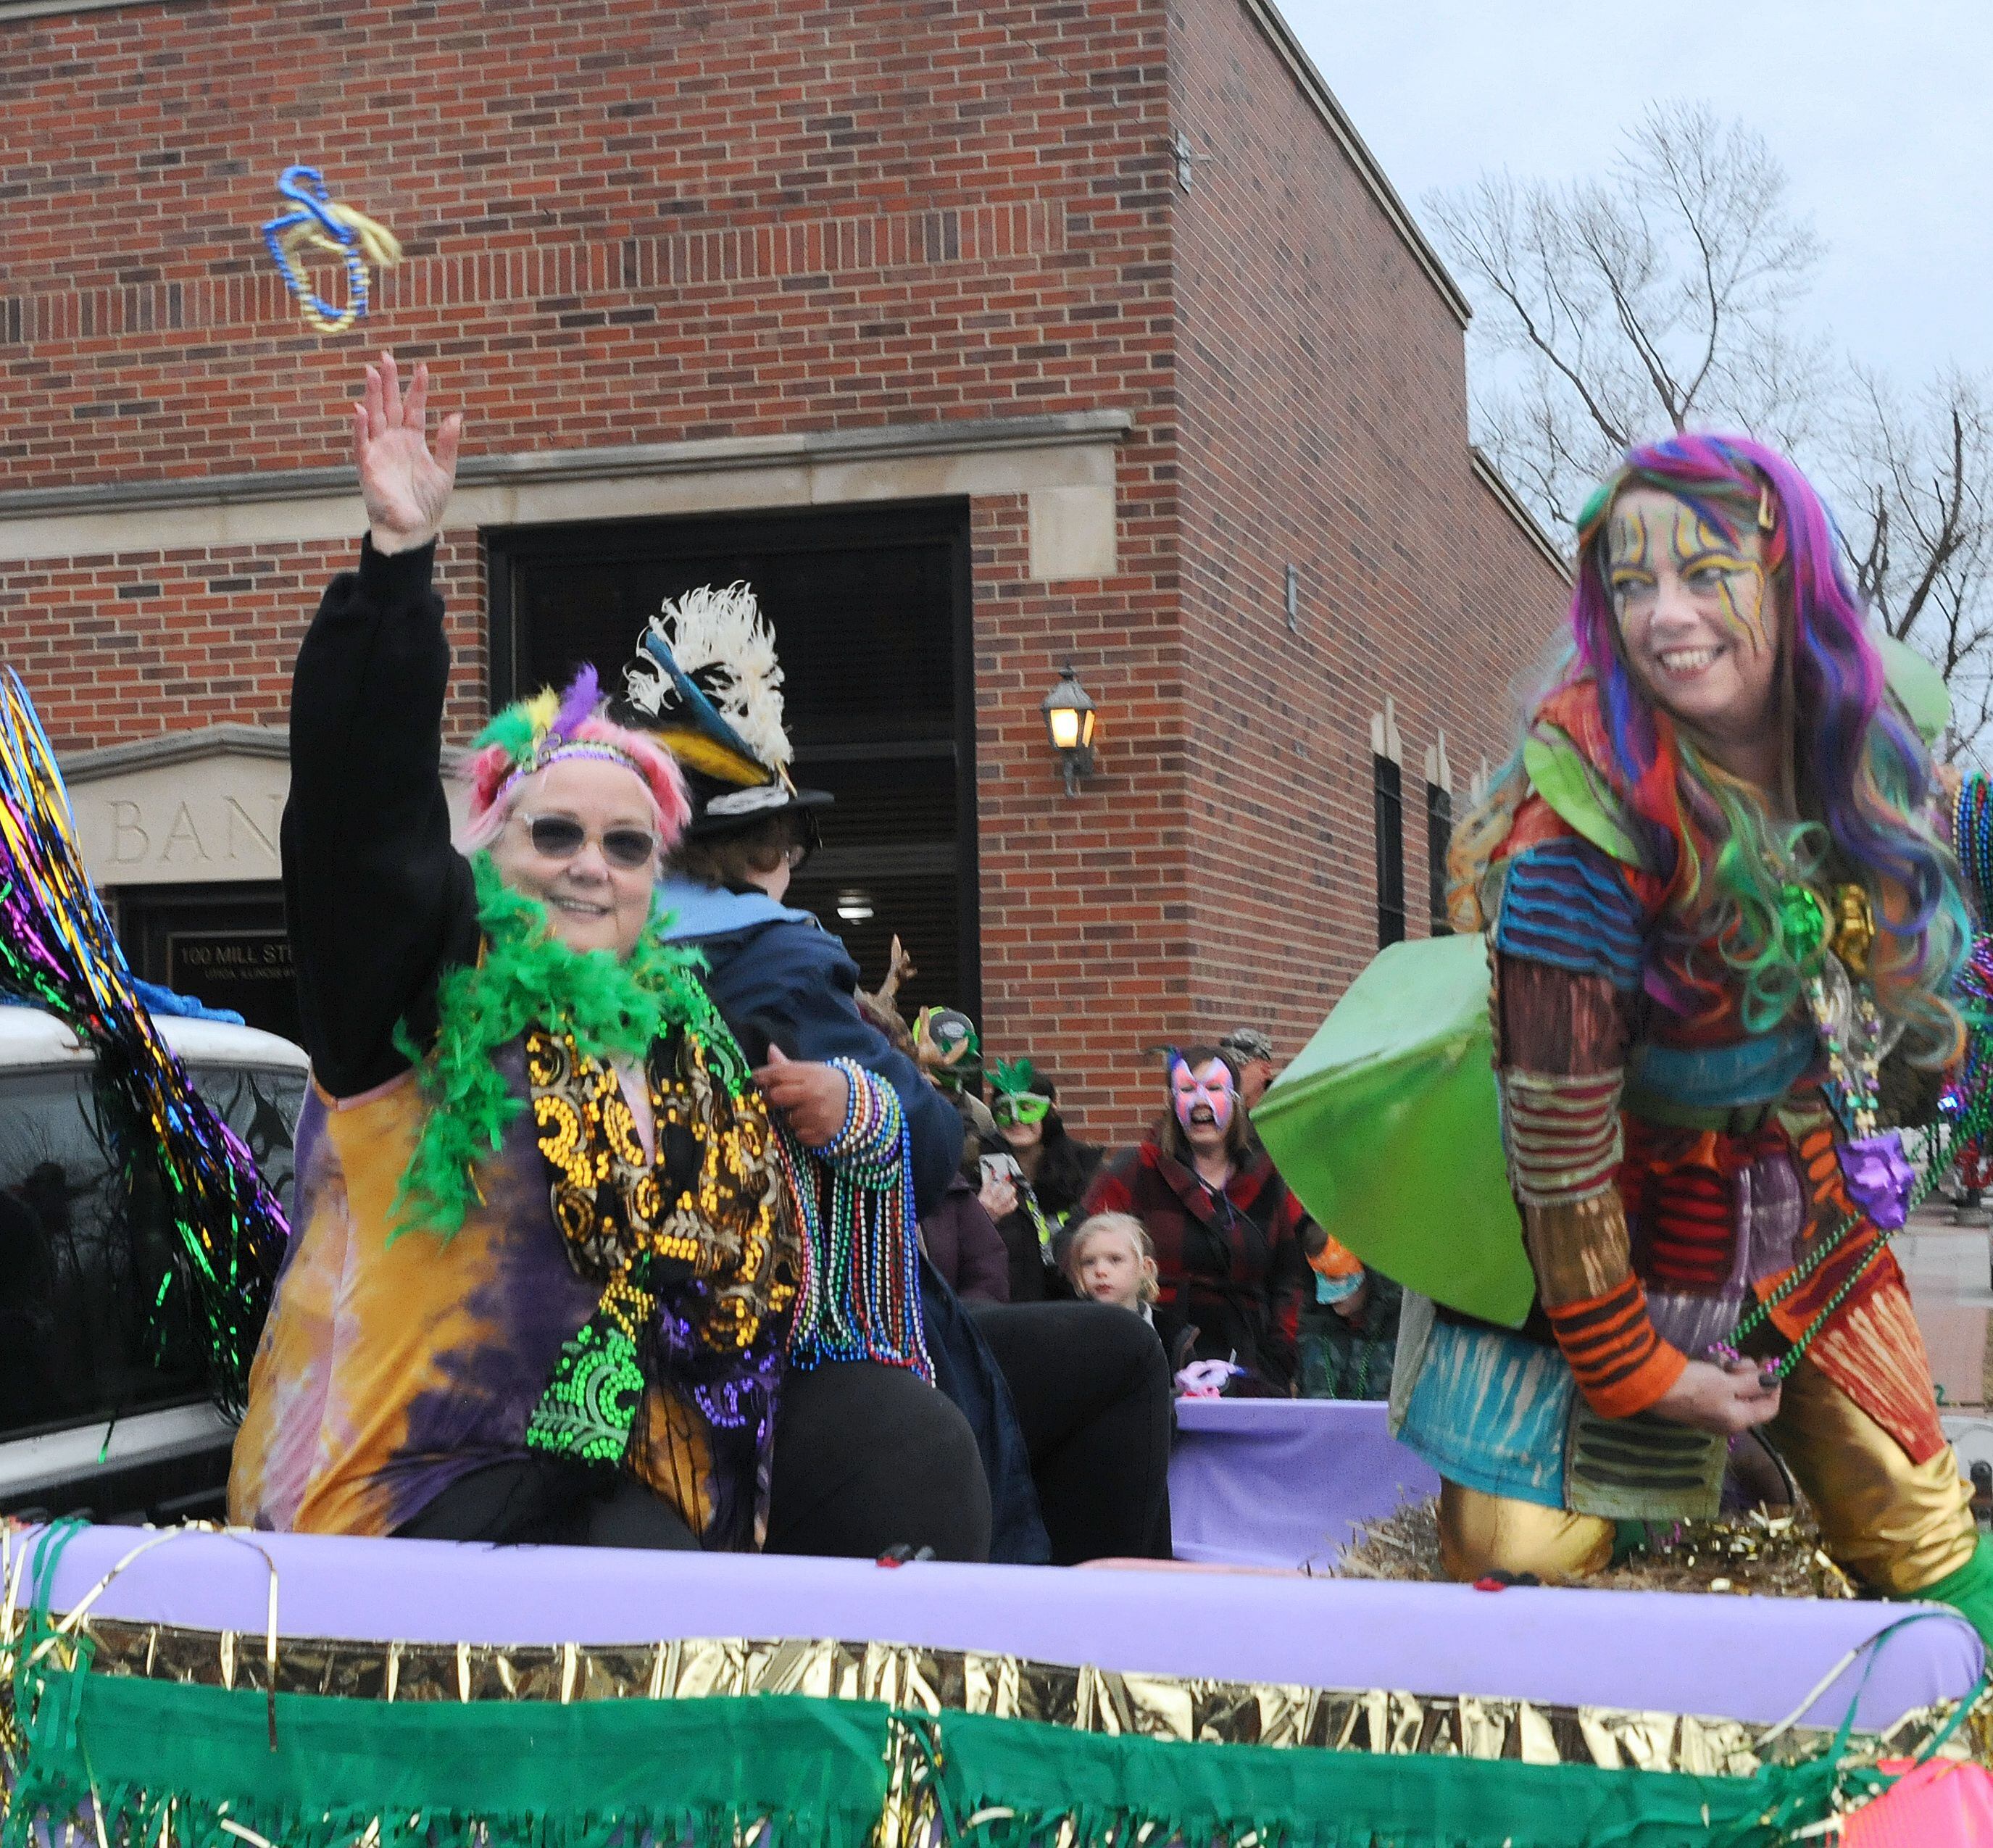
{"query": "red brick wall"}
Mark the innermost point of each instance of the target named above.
(637, 223)
(1322, 387)
(624, 223)
(121, 647)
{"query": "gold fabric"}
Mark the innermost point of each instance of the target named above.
(1480, 1533)
(937, 1682)
(915, 1679)
(1577, 1248)
(1895, 1525)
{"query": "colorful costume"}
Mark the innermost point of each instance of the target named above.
(1066, 1405)
(1690, 1139)
(491, 1271)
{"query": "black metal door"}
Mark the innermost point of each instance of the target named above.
(870, 609)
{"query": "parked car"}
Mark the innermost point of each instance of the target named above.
(101, 1408)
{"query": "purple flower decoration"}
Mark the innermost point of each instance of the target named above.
(1878, 1177)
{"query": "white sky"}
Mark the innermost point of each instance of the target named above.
(1882, 115)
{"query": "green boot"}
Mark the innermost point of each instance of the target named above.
(1969, 1590)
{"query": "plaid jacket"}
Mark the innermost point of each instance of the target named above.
(1231, 1264)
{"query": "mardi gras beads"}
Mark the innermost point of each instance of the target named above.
(1972, 836)
(58, 951)
(859, 1297)
(320, 224)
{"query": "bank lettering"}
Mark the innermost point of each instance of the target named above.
(201, 833)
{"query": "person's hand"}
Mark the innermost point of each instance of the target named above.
(816, 1099)
(998, 1196)
(1725, 1399)
(405, 485)
(1352, 1307)
(1950, 779)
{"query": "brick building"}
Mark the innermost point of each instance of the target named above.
(981, 339)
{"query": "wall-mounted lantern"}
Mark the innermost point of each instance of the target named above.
(1069, 717)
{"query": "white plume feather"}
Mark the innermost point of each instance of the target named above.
(720, 639)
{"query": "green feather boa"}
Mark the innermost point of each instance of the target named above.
(526, 977)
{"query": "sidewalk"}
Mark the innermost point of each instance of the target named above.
(1951, 1290)
(1947, 1268)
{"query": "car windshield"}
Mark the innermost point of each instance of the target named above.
(86, 1245)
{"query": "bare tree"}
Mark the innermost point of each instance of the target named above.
(1919, 541)
(1659, 298)
(1654, 299)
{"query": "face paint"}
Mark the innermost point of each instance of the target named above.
(1697, 620)
(1649, 549)
(1208, 1087)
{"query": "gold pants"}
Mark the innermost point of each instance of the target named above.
(1896, 1525)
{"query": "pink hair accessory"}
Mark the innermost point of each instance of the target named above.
(532, 734)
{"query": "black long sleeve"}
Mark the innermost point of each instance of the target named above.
(379, 901)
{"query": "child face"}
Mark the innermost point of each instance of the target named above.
(1110, 1270)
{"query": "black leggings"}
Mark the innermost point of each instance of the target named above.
(866, 1458)
(1092, 1387)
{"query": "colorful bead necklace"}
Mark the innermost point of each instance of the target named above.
(1972, 833)
(860, 1295)
(1971, 1124)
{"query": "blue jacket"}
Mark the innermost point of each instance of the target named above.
(776, 974)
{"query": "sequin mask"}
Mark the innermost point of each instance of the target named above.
(1020, 1107)
(1210, 1086)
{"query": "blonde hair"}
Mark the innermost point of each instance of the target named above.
(1149, 1290)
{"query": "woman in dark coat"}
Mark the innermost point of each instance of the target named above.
(1231, 1241)
(1038, 1206)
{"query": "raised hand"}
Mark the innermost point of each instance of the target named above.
(405, 485)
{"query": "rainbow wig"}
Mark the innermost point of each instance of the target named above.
(1861, 780)
(531, 734)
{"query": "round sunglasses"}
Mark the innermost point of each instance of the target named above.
(560, 837)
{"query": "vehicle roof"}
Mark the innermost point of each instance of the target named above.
(31, 1038)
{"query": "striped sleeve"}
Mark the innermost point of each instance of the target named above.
(1621, 1365)
(1569, 942)
(1565, 904)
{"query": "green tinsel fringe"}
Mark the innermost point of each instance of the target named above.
(526, 977)
(776, 1769)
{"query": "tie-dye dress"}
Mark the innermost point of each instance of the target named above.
(394, 1363)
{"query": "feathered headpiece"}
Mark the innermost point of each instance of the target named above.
(1014, 1077)
(709, 676)
(531, 734)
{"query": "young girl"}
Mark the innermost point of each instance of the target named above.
(1110, 1260)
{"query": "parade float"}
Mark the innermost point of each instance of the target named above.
(215, 1686)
